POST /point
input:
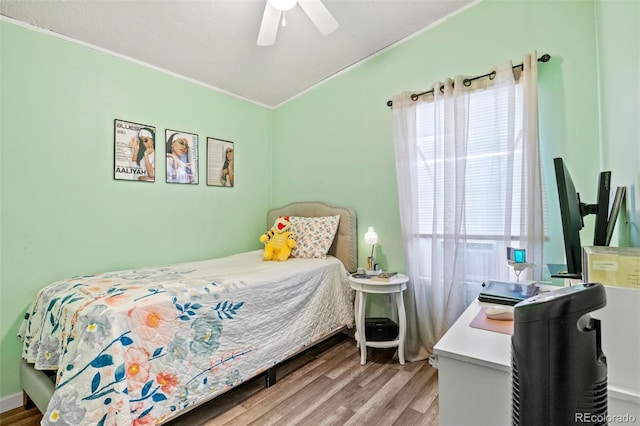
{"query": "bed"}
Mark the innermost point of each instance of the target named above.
(144, 346)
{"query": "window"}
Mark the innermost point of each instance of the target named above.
(493, 182)
(487, 178)
(468, 168)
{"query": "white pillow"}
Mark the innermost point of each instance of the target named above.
(314, 235)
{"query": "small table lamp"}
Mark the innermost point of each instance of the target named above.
(371, 237)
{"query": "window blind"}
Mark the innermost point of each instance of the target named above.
(488, 194)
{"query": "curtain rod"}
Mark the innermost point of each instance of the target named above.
(467, 81)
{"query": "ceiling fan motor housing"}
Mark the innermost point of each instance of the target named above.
(274, 14)
(283, 5)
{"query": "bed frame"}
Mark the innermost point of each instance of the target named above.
(38, 385)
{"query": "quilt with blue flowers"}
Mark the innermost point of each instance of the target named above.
(137, 347)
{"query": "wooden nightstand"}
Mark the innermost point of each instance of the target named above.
(395, 287)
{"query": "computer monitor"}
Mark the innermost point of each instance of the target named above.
(615, 208)
(572, 210)
(601, 210)
(572, 222)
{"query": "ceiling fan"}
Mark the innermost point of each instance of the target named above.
(274, 13)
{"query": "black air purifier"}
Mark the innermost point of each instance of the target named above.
(559, 370)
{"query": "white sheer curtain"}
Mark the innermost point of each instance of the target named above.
(469, 185)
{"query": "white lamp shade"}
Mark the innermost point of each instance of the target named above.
(283, 5)
(371, 237)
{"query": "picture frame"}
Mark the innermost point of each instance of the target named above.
(182, 157)
(133, 151)
(220, 162)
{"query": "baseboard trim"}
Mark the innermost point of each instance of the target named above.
(10, 402)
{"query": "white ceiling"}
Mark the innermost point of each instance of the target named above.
(213, 42)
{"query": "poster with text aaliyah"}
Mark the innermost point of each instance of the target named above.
(182, 157)
(134, 151)
(219, 162)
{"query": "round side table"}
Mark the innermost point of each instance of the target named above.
(394, 287)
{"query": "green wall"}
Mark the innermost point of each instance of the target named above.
(62, 212)
(618, 46)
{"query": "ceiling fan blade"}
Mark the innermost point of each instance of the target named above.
(269, 25)
(320, 15)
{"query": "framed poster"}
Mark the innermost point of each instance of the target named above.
(220, 162)
(182, 157)
(134, 151)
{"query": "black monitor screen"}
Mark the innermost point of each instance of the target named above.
(601, 210)
(571, 214)
(616, 206)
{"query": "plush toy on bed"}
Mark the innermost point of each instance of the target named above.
(279, 240)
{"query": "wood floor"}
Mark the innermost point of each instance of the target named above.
(21, 417)
(323, 386)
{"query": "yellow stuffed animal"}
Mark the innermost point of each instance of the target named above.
(279, 241)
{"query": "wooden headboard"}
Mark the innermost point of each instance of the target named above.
(345, 244)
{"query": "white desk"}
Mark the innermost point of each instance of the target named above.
(474, 374)
(395, 287)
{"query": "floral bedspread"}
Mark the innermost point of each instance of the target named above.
(136, 347)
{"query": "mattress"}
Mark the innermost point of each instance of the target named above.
(141, 346)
